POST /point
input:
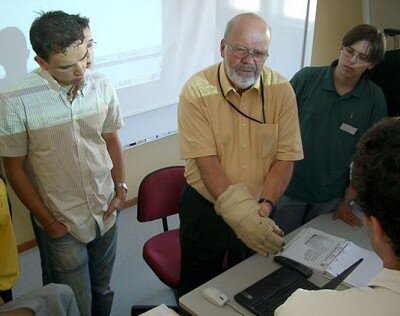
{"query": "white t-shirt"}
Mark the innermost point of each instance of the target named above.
(381, 297)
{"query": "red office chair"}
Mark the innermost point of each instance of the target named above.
(158, 198)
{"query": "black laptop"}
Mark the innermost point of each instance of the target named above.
(264, 296)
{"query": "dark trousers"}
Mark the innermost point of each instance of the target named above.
(205, 239)
(6, 295)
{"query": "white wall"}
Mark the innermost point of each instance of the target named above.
(333, 19)
(385, 14)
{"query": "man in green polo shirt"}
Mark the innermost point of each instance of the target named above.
(337, 104)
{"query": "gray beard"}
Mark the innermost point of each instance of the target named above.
(240, 82)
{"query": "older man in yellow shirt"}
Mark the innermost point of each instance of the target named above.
(239, 133)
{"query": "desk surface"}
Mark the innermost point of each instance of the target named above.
(256, 267)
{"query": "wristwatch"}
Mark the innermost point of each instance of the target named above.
(351, 202)
(121, 185)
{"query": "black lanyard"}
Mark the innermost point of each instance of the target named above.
(237, 110)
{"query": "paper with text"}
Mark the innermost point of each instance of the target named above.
(368, 268)
(330, 255)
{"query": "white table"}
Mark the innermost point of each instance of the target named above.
(256, 267)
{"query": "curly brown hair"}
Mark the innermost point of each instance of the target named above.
(53, 32)
(376, 176)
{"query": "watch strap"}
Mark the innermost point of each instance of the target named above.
(121, 185)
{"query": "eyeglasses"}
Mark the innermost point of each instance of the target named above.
(350, 52)
(242, 52)
(91, 43)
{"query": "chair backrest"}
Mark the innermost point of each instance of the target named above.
(159, 193)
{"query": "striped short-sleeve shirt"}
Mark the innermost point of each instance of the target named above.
(67, 157)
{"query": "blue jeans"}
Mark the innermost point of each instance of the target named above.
(86, 268)
(40, 237)
(290, 214)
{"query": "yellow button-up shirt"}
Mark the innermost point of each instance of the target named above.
(9, 257)
(208, 126)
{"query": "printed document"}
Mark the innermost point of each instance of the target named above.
(330, 255)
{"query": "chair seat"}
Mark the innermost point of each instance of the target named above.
(163, 255)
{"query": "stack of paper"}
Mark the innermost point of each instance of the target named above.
(330, 255)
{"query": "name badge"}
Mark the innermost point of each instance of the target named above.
(348, 128)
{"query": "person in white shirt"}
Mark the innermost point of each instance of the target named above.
(63, 158)
(40, 234)
(376, 175)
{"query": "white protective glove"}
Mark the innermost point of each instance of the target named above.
(240, 211)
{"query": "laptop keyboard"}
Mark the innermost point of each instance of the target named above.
(264, 296)
(267, 306)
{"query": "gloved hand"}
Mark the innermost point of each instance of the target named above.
(240, 211)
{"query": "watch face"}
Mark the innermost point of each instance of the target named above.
(351, 203)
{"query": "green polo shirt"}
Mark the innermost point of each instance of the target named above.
(331, 126)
